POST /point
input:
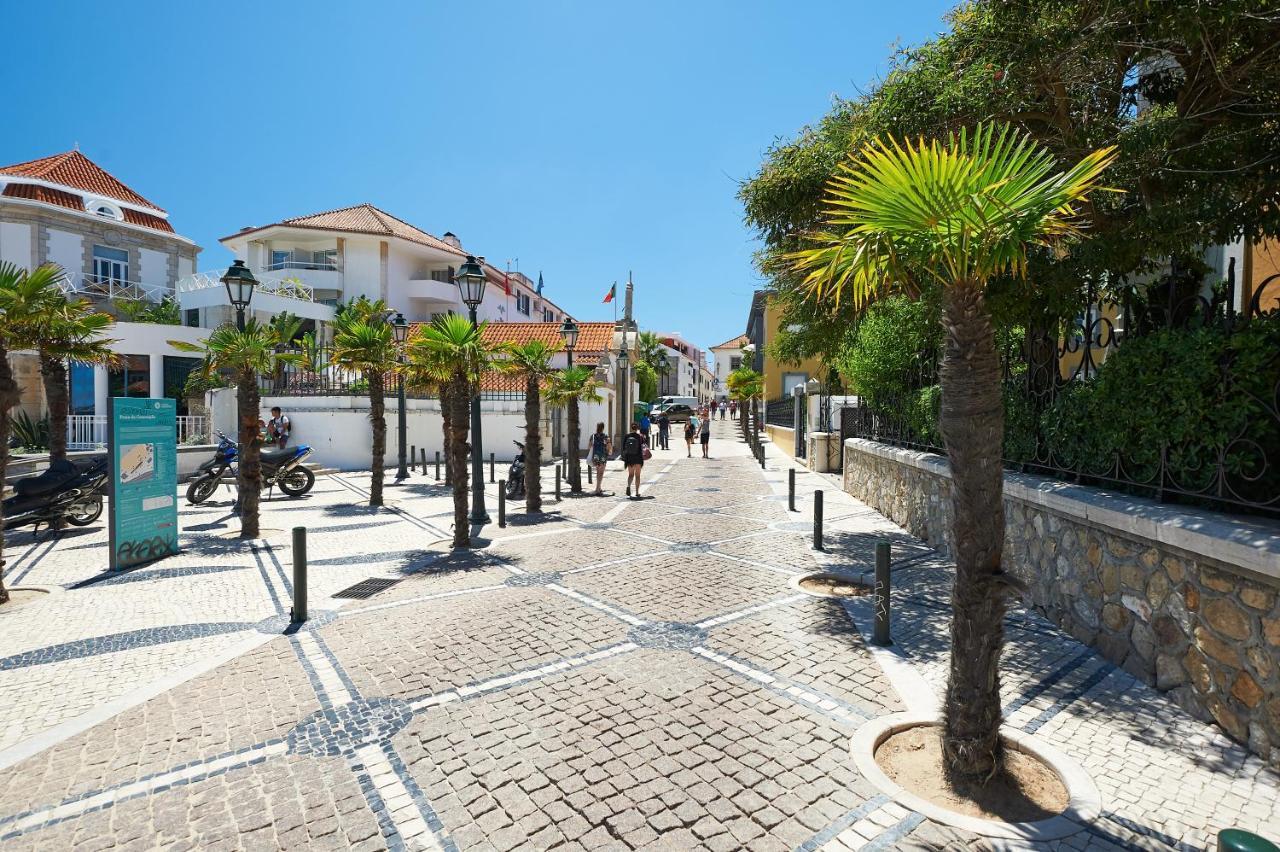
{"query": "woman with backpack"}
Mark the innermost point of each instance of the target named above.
(690, 430)
(633, 455)
(601, 446)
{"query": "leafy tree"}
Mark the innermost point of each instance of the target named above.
(532, 361)
(652, 351)
(647, 379)
(746, 386)
(567, 389)
(67, 330)
(955, 215)
(165, 312)
(245, 355)
(364, 342)
(21, 295)
(454, 350)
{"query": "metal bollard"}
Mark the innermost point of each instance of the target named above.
(791, 489)
(424, 461)
(299, 612)
(557, 483)
(589, 466)
(437, 465)
(492, 468)
(880, 633)
(817, 520)
(413, 455)
(762, 457)
(502, 502)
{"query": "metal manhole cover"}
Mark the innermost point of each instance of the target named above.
(366, 588)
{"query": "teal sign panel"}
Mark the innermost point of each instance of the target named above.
(142, 441)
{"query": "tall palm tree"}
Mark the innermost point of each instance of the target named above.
(246, 355)
(566, 389)
(532, 361)
(454, 349)
(67, 330)
(954, 215)
(21, 295)
(746, 386)
(365, 343)
(650, 350)
(286, 326)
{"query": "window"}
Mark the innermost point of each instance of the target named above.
(327, 259)
(548, 315)
(443, 275)
(280, 259)
(104, 209)
(522, 303)
(176, 370)
(131, 378)
(735, 362)
(82, 401)
(110, 265)
(192, 317)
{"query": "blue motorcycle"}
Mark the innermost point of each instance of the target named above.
(279, 467)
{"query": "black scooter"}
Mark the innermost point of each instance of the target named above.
(68, 491)
(515, 475)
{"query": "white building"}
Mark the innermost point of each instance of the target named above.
(115, 247)
(308, 264)
(726, 357)
(683, 360)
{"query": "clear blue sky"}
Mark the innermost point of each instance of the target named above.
(586, 139)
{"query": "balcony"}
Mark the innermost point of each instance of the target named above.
(109, 287)
(272, 295)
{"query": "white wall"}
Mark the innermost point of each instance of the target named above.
(67, 250)
(15, 243)
(362, 272)
(186, 266)
(155, 268)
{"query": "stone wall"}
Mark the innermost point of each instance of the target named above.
(1185, 599)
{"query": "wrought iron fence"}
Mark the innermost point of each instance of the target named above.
(1235, 470)
(780, 412)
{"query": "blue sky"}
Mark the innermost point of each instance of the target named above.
(584, 139)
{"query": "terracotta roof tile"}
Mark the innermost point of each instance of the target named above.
(362, 219)
(592, 336)
(75, 170)
(733, 342)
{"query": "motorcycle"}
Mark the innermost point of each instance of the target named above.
(279, 467)
(515, 474)
(69, 491)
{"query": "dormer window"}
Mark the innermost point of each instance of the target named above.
(105, 209)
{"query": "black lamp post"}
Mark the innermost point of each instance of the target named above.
(400, 328)
(624, 361)
(239, 282)
(569, 333)
(471, 280)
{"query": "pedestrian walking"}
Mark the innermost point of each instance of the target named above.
(601, 446)
(645, 425)
(664, 431)
(724, 409)
(690, 430)
(733, 408)
(715, 404)
(706, 439)
(633, 450)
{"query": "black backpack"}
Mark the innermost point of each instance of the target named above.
(631, 445)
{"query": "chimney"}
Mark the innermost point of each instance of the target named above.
(452, 239)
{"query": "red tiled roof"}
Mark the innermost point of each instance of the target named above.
(734, 342)
(592, 336)
(58, 197)
(75, 170)
(361, 219)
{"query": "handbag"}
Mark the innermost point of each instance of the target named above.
(646, 453)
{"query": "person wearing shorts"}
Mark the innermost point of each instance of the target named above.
(600, 448)
(633, 457)
(706, 438)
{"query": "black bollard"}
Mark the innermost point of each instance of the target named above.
(299, 612)
(589, 473)
(817, 520)
(413, 455)
(502, 502)
(762, 457)
(424, 461)
(880, 634)
(557, 483)
(791, 489)
(492, 468)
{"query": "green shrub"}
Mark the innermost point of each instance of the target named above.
(29, 433)
(889, 350)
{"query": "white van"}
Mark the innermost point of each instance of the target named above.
(668, 401)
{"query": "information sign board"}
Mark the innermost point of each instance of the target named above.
(142, 445)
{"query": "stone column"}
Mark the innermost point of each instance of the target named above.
(156, 363)
(100, 390)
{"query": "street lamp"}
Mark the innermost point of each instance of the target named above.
(400, 328)
(624, 414)
(569, 333)
(239, 282)
(471, 280)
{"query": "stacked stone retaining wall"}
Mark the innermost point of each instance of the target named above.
(1185, 599)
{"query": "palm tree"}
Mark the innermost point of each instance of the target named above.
(365, 343)
(67, 330)
(286, 326)
(746, 386)
(954, 215)
(246, 355)
(533, 362)
(650, 350)
(21, 295)
(566, 389)
(453, 349)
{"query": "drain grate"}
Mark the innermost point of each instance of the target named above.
(366, 588)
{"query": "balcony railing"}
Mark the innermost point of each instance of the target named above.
(89, 431)
(328, 266)
(107, 287)
(289, 288)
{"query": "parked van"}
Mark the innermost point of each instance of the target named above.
(667, 401)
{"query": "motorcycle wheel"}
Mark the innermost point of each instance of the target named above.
(297, 481)
(78, 517)
(201, 489)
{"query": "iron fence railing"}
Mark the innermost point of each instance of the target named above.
(1235, 471)
(89, 431)
(780, 412)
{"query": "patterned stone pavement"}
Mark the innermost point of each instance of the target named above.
(618, 674)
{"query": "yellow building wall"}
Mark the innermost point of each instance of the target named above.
(1263, 262)
(773, 369)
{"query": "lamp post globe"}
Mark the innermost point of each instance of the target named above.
(470, 279)
(239, 282)
(400, 330)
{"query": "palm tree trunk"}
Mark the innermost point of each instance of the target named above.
(459, 400)
(378, 418)
(9, 396)
(575, 444)
(249, 480)
(446, 414)
(972, 424)
(54, 374)
(532, 446)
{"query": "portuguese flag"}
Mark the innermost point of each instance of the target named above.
(613, 291)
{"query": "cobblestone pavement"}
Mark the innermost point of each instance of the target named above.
(616, 674)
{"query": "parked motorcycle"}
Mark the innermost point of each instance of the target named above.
(515, 475)
(69, 491)
(279, 467)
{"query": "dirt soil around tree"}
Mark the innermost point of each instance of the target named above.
(1025, 791)
(835, 586)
